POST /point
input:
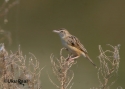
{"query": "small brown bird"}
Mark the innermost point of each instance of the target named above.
(72, 44)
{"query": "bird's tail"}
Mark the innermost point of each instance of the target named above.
(86, 56)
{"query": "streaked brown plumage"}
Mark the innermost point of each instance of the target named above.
(73, 45)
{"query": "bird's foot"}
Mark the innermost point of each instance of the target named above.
(72, 59)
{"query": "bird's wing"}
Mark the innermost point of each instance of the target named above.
(74, 41)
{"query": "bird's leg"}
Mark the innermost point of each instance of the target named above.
(73, 57)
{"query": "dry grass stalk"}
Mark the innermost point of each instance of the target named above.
(61, 68)
(16, 66)
(109, 65)
(5, 7)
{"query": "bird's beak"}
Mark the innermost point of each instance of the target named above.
(56, 31)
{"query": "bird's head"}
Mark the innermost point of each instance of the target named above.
(62, 32)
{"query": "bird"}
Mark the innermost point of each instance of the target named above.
(73, 44)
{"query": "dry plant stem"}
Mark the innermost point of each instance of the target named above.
(109, 65)
(61, 68)
(14, 66)
(4, 10)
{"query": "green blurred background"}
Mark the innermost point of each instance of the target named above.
(94, 22)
